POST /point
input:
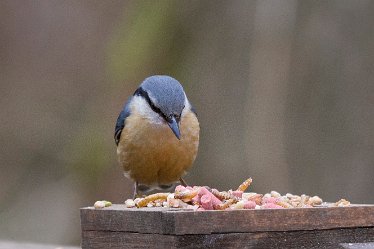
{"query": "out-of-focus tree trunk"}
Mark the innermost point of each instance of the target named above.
(265, 105)
(330, 101)
(214, 64)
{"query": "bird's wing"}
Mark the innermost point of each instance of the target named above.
(121, 121)
(193, 109)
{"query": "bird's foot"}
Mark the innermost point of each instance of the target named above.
(183, 182)
(135, 194)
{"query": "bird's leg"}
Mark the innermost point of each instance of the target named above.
(135, 195)
(183, 182)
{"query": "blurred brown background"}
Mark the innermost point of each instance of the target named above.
(284, 92)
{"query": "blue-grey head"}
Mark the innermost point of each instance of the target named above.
(166, 97)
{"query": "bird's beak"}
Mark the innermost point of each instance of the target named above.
(173, 124)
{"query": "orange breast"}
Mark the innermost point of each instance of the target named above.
(151, 154)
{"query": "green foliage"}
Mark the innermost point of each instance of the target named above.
(141, 40)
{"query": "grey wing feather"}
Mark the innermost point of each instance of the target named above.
(121, 121)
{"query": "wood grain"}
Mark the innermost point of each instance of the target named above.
(181, 222)
(330, 238)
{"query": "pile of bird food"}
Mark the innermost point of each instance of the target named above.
(204, 198)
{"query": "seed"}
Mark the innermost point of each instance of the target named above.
(129, 203)
(275, 194)
(342, 203)
(99, 204)
(315, 200)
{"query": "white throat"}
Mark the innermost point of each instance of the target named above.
(141, 106)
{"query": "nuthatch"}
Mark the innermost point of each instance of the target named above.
(157, 134)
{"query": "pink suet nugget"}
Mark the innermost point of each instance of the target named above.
(157, 134)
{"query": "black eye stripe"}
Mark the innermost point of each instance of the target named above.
(140, 92)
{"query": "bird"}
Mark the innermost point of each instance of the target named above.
(157, 135)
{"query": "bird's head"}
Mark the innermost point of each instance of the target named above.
(166, 99)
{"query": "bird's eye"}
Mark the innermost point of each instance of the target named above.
(177, 117)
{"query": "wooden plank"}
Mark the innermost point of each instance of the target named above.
(273, 220)
(358, 245)
(117, 218)
(29, 245)
(178, 221)
(330, 238)
(114, 240)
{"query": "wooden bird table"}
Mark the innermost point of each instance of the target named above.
(322, 227)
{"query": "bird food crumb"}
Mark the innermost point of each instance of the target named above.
(150, 198)
(102, 204)
(130, 203)
(342, 203)
(200, 198)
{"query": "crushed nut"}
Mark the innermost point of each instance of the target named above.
(342, 203)
(99, 204)
(102, 204)
(130, 203)
(314, 201)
